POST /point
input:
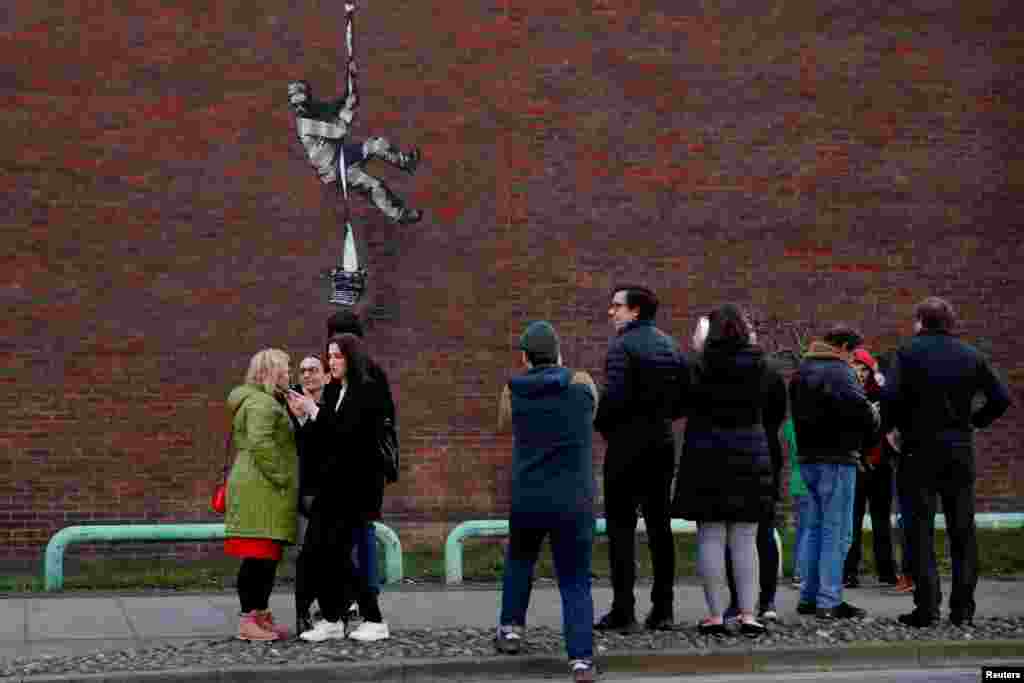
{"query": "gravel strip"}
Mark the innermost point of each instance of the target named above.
(804, 632)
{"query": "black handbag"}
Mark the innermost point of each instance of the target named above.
(387, 449)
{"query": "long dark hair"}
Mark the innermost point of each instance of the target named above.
(351, 347)
(729, 329)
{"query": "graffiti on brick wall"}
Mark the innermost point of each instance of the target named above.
(323, 128)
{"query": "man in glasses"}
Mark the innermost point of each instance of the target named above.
(644, 374)
(312, 378)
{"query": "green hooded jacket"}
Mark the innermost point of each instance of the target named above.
(797, 487)
(263, 488)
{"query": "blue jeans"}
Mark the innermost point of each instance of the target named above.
(571, 547)
(829, 521)
(365, 555)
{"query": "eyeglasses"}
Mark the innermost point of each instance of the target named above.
(309, 369)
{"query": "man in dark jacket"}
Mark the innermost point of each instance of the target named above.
(832, 419)
(929, 396)
(644, 374)
(313, 377)
(551, 411)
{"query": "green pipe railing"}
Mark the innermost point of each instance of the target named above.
(982, 520)
(476, 528)
(119, 533)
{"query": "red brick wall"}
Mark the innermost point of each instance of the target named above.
(818, 160)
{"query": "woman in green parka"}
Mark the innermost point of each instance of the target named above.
(262, 493)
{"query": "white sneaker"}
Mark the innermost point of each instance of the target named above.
(324, 630)
(370, 630)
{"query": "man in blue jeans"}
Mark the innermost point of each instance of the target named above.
(833, 420)
(551, 410)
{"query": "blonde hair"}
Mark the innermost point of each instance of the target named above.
(264, 366)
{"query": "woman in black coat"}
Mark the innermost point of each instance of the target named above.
(727, 481)
(346, 425)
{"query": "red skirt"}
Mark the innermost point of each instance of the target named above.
(253, 548)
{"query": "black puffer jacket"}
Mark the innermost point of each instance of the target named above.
(931, 387)
(831, 413)
(645, 375)
(732, 458)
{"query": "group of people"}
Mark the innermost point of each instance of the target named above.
(296, 446)
(842, 419)
(839, 416)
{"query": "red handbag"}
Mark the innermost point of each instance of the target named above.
(219, 499)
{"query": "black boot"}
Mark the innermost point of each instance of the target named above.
(660, 619)
(410, 216)
(302, 622)
(618, 622)
(409, 161)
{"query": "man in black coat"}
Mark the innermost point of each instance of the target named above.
(832, 419)
(929, 395)
(644, 375)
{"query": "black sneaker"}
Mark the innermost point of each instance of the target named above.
(508, 640)
(617, 622)
(851, 582)
(843, 610)
(888, 580)
(659, 620)
(960, 618)
(713, 630)
(918, 619)
(806, 608)
(752, 629)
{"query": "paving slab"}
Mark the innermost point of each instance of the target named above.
(77, 617)
(70, 647)
(162, 616)
(12, 620)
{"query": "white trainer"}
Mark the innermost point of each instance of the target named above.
(324, 630)
(369, 631)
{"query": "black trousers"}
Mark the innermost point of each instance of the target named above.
(767, 567)
(327, 570)
(946, 471)
(305, 581)
(639, 476)
(874, 493)
(255, 582)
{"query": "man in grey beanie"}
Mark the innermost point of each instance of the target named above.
(551, 410)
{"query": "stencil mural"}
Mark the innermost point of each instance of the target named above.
(323, 129)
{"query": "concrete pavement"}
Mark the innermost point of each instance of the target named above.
(76, 623)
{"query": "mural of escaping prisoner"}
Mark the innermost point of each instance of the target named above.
(322, 127)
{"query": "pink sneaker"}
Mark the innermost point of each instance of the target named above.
(250, 627)
(266, 620)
